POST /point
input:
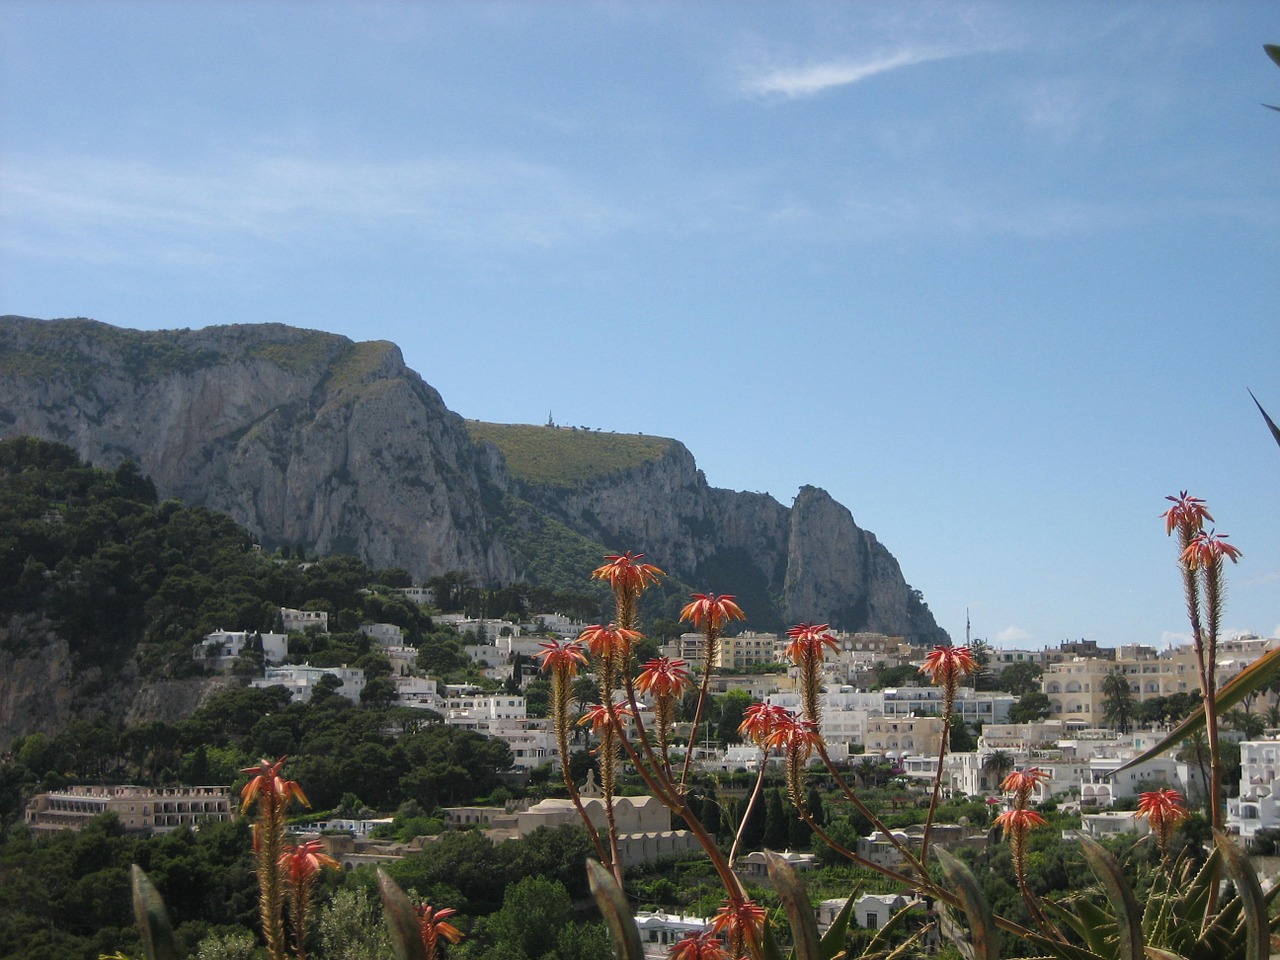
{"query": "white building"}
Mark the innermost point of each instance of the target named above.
(659, 932)
(1257, 808)
(383, 634)
(298, 621)
(221, 648)
(301, 681)
(971, 705)
(418, 692)
(419, 595)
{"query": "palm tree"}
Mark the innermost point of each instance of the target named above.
(1118, 703)
(998, 763)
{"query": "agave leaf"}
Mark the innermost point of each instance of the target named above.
(617, 913)
(1273, 51)
(1120, 895)
(1250, 891)
(982, 928)
(769, 949)
(401, 918)
(1090, 922)
(1275, 431)
(152, 918)
(787, 885)
(1155, 953)
(1259, 673)
(1064, 951)
(833, 940)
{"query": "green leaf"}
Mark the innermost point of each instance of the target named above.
(982, 928)
(1250, 891)
(1273, 51)
(152, 918)
(402, 919)
(795, 900)
(617, 912)
(1275, 431)
(769, 949)
(1120, 895)
(1252, 679)
(833, 940)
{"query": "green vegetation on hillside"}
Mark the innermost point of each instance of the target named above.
(566, 456)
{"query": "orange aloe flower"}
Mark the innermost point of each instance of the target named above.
(610, 641)
(663, 677)
(269, 783)
(432, 926)
(557, 656)
(793, 735)
(946, 666)
(625, 573)
(742, 921)
(1187, 514)
(1018, 823)
(305, 861)
(808, 640)
(710, 613)
(599, 717)
(1022, 783)
(1206, 550)
(760, 720)
(1164, 810)
(699, 946)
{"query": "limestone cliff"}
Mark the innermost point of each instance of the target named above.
(303, 437)
(308, 438)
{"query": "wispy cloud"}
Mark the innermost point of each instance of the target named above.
(814, 78)
(97, 210)
(1012, 635)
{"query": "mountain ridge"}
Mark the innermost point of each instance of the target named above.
(309, 438)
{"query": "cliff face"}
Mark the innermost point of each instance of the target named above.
(307, 438)
(303, 437)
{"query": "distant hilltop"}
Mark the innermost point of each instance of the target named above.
(310, 439)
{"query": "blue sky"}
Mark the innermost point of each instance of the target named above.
(997, 276)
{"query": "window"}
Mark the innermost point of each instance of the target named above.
(873, 921)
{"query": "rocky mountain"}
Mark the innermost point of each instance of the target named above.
(310, 439)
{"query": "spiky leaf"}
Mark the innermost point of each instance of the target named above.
(795, 900)
(982, 928)
(1251, 899)
(1120, 895)
(616, 911)
(152, 918)
(401, 918)
(833, 940)
(1271, 424)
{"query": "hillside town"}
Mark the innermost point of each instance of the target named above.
(1076, 711)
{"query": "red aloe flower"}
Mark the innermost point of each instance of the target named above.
(710, 613)
(760, 720)
(269, 783)
(432, 926)
(663, 677)
(1022, 783)
(946, 666)
(599, 717)
(700, 946)
(1187, 513)
(557, 656)
(808, 640)
(795, 736)
(1164, 810)
(1206, 550)
(742, 921)
(610, 641)
(303, 862)
(625, 573)
(1016, 824)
